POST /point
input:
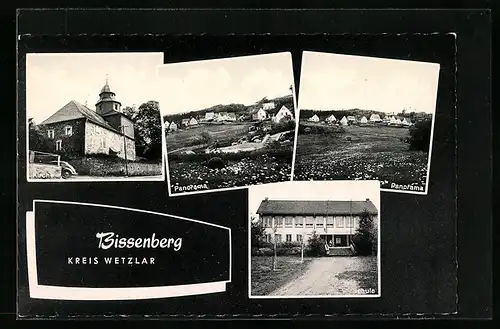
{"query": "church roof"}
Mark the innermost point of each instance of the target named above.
(73, 111)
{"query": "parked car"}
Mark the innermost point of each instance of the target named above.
(67, 170)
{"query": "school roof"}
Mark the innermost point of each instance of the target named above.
(289, 207)
(73, 111)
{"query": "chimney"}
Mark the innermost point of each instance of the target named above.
(266, 199)
(367, 199)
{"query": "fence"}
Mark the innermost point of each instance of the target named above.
(44, 158)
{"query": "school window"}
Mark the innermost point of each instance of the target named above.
(68, 130)
(288, 221)
(50, 133)
(339, 222)
(309, 221)
(299, 221)
(319, 221)
(277, 238)
(338, 240)
(288, 238)
(349, 222)
(329, 221)
(278, 221)
(299, 238)
(59, 145)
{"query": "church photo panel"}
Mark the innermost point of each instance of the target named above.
(93, 117)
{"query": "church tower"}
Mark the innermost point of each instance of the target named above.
(107, 103)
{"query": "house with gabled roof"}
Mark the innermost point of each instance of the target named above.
(375, 118)
(314, 118)
(331, 118)
(333, 221)
(282, 114)
(344, 121)
(76, 130)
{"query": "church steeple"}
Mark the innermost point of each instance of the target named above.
(107, 102)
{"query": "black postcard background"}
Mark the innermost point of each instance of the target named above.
(418, 233)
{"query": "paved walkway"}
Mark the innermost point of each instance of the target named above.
(320, 279)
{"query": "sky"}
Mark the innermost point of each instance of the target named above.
(315, 191)
(53, 80)
(334, 82)
(197, 85)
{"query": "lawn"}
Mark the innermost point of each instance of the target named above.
(365, 274)
(361, 153)
(227, 132)
(258, 169)
(264, 280)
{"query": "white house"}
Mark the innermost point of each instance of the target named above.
(260, 115)
(398, 121)
(209, 116)
(226, 116)
(314, 118)
(172, 126)
(167, 124)
(375, 118)
(364, 120)
(185, 122)
(406, 122)
(269, 106)
(284, 112)
(295, 221)
(192, 122)
(331, 118)
(344, 121)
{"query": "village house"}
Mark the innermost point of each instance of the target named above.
(231, 116)
(260, 115)
(295, 221)
(172, 126)
(77, 130)
(351, 119)
(192, 121)
(375, 118)
(209, 116)
(331, 119)
(268, 106)
(406, 122)
(344, 121)
(314, 118)
(363, 120)
(283, 113)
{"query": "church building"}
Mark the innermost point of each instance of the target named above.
(77, 130)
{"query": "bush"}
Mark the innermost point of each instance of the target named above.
(316, 246)
(284, 125)
(365, 238)
(420, 135)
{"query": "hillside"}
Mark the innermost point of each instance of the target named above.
(238, 109)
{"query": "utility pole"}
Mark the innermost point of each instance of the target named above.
(302, 249)
(125, 149)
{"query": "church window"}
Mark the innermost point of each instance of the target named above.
(58, 145)
(50, 133)
(68, 130)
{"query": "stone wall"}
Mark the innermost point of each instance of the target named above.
(72, 145)
(99, 140)
(43, 171)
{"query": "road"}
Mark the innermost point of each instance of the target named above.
(321, 278)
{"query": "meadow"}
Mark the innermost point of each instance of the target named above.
(361, 153)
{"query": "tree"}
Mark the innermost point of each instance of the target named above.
(316, 245)
(130, 112)
(263, 100)
(275, 256)
(148, 130)
(256, 232)
(37, 140)
(420, 135)
(365, 237)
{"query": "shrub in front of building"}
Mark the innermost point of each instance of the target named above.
(315, 246)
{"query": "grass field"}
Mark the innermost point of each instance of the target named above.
(264, 280)
(361, 153)
(223, 133)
